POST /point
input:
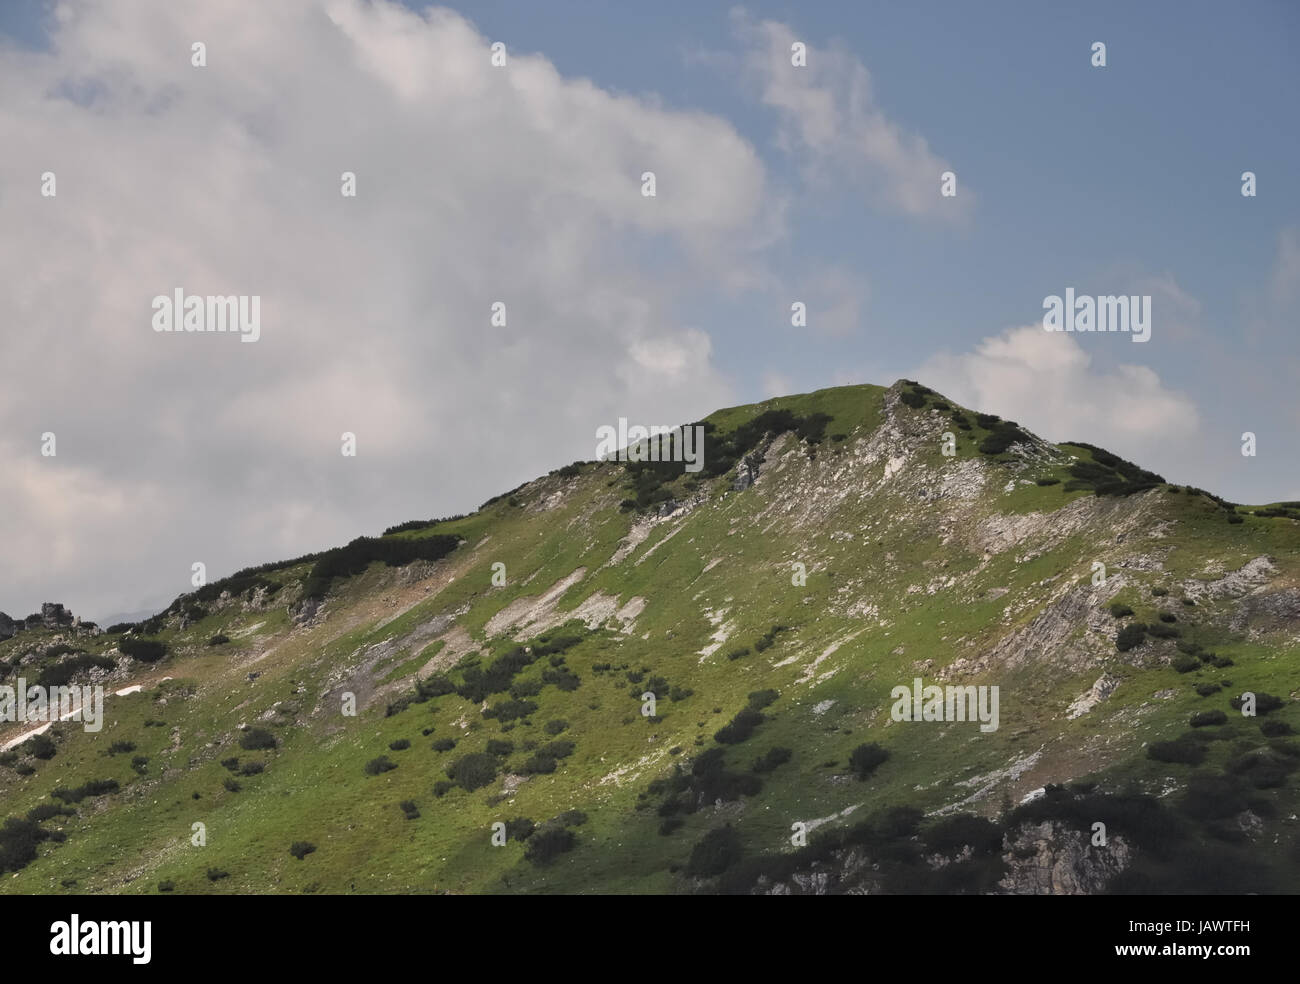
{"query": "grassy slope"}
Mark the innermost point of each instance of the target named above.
(862, 538)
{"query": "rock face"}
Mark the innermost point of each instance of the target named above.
(53, 615)
(746, 472)
(8, 628)
(1052, 859)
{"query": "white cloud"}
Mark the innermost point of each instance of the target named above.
(475, 184)
(1047, 382)
(830, 118)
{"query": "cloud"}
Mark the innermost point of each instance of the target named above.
(1047, 382)
(829, 117)
(475, 184)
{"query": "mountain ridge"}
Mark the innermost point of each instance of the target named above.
(773, 603)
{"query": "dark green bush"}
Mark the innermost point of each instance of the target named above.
(257, 739)
(1182, 751)
(300, 849)
(865, 759)
(39, 746)
(1120, 611)
(143, 650)
(378, 766)
(717, 851)
(549, 843)
(1202, 719)
(399, 745)
(1130, 636)
(443, 745)
(771, 759)
(473, 771)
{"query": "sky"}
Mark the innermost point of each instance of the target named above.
(521, 185)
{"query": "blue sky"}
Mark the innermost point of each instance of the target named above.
(1083, 176)
(777, 184)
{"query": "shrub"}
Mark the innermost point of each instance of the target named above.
(442, 787)
(409, 809)
(555, 727)
(219, 640)
(473, 771)
(865, 759)
(39, 746)
(256, 739)
(520, 828)
(1264, 703)
(1130, 636)
(231, 785)
(1202, 719)
(771, 759)
(1222, 661)
(400, 745)
(363, 551)
(499, 747)
(670, 824)
(912, 399)
(166, 886)
(231, 763)
(738, 653)
(1120, 611)
(951, 834)
(121, 747)
(1182, 751)
(1162, 631)
(216, 874)
(549, 843)
(95, 787)
(540, 764)
(1185, 664)
(510, 710)
(443, 745)
(761, 699)
(1159, 592)
(59, 674)
(300, 849)
(18, 840)
(1273, 728)
(1207, 689)
(717, 851)
(45, 811)
(252, 769)
(378, 766)
(1049, 481)
(1168, 617)
(740, 727)
(143, 650)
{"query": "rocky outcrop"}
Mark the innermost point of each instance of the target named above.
(8, 627)
(1052, 859)
(746, 472)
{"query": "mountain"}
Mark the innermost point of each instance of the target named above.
(628, 676)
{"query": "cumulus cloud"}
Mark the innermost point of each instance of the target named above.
(829, 116)
(475, 184)
(1047, 381)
